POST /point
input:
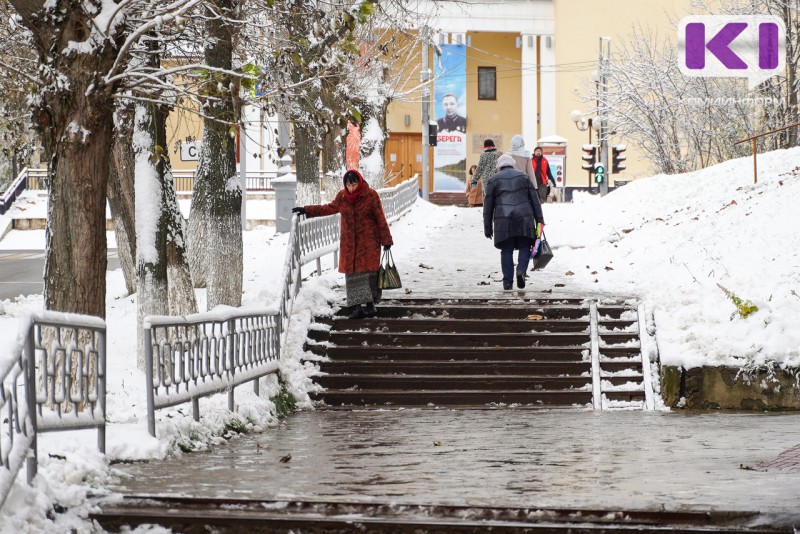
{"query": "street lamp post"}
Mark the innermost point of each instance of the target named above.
(602, 111)
(583, 124)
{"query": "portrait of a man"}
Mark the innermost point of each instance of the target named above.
(451, 121)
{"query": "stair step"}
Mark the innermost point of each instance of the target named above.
(527, 354)
(470, 340)
(486, 311)
(394, 397)
(490, 368)
(474, 326)
(454, 352)
(364, 382)
(627, 396)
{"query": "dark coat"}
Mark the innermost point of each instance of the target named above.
(364, 229)
(512, 204)
(487, 166)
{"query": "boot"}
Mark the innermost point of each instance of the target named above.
(357, 313)
(370, 310)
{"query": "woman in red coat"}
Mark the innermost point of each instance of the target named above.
(364, 230)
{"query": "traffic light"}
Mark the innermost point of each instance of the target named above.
(433, 132)
(617, 159)
(590, 157)
(599, 173)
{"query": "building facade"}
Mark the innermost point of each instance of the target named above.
(537, 52)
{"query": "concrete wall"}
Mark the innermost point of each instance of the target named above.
(729, 389)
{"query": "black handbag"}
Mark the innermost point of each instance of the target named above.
(543, 255)
(388, 276)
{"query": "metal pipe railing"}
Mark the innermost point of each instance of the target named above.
(190, 357)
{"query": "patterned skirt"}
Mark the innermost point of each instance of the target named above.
(362, 288)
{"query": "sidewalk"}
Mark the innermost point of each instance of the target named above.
(504, 457)
(22, 227)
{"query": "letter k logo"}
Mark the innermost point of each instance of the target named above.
(740, 46)
(718, 45)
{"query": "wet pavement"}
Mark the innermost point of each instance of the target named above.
(566, 458)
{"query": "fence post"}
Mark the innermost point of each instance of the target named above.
(148, 371)
(30, 399)
(101, 391)
(755, 163)
(285, 191)
(233, 346)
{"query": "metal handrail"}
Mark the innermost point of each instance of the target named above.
(26, 179)
(39, 394)
(187, 358)
(753, 140)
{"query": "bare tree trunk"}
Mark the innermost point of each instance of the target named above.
(73, 113)
(121, 196)
(372, 147)
(180, 295)
(307, 164)
(333, 151)
(790, 20)
(75, 267)
(215, 227)
(196, 238)
(151, 236)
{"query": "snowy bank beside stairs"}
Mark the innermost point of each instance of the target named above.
(691, 245)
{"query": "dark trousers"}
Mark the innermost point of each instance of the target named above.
(542, 192)
(507, 247)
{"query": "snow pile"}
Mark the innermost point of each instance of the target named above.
(677, 241)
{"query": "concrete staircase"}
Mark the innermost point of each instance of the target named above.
(467, 353)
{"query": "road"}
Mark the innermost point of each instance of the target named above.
(21, 271)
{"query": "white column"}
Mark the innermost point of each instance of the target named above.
(528, 79)
(547, 56)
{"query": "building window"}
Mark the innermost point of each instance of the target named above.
(487, 83)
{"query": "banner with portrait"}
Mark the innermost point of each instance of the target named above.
(450, 112)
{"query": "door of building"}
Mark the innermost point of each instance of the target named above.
(403, 157)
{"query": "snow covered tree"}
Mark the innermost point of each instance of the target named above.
(17, 140)
(77, 45)
(163, 282)
(308, 45)
(782, 88)
(675, 120)
(121, 197)
(215, 224)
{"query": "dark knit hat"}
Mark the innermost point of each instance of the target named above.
(487, 143)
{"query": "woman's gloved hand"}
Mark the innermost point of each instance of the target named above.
(386, 247)
(300, 210)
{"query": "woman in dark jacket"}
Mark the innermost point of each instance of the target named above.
(513, 206)
(364, 230)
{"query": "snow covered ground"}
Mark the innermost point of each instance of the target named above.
(672, 242)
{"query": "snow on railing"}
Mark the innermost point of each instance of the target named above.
(206, 353)
(26, 179)
(60, 370)
(257, 180)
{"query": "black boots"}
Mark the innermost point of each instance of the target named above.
(359, 312)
